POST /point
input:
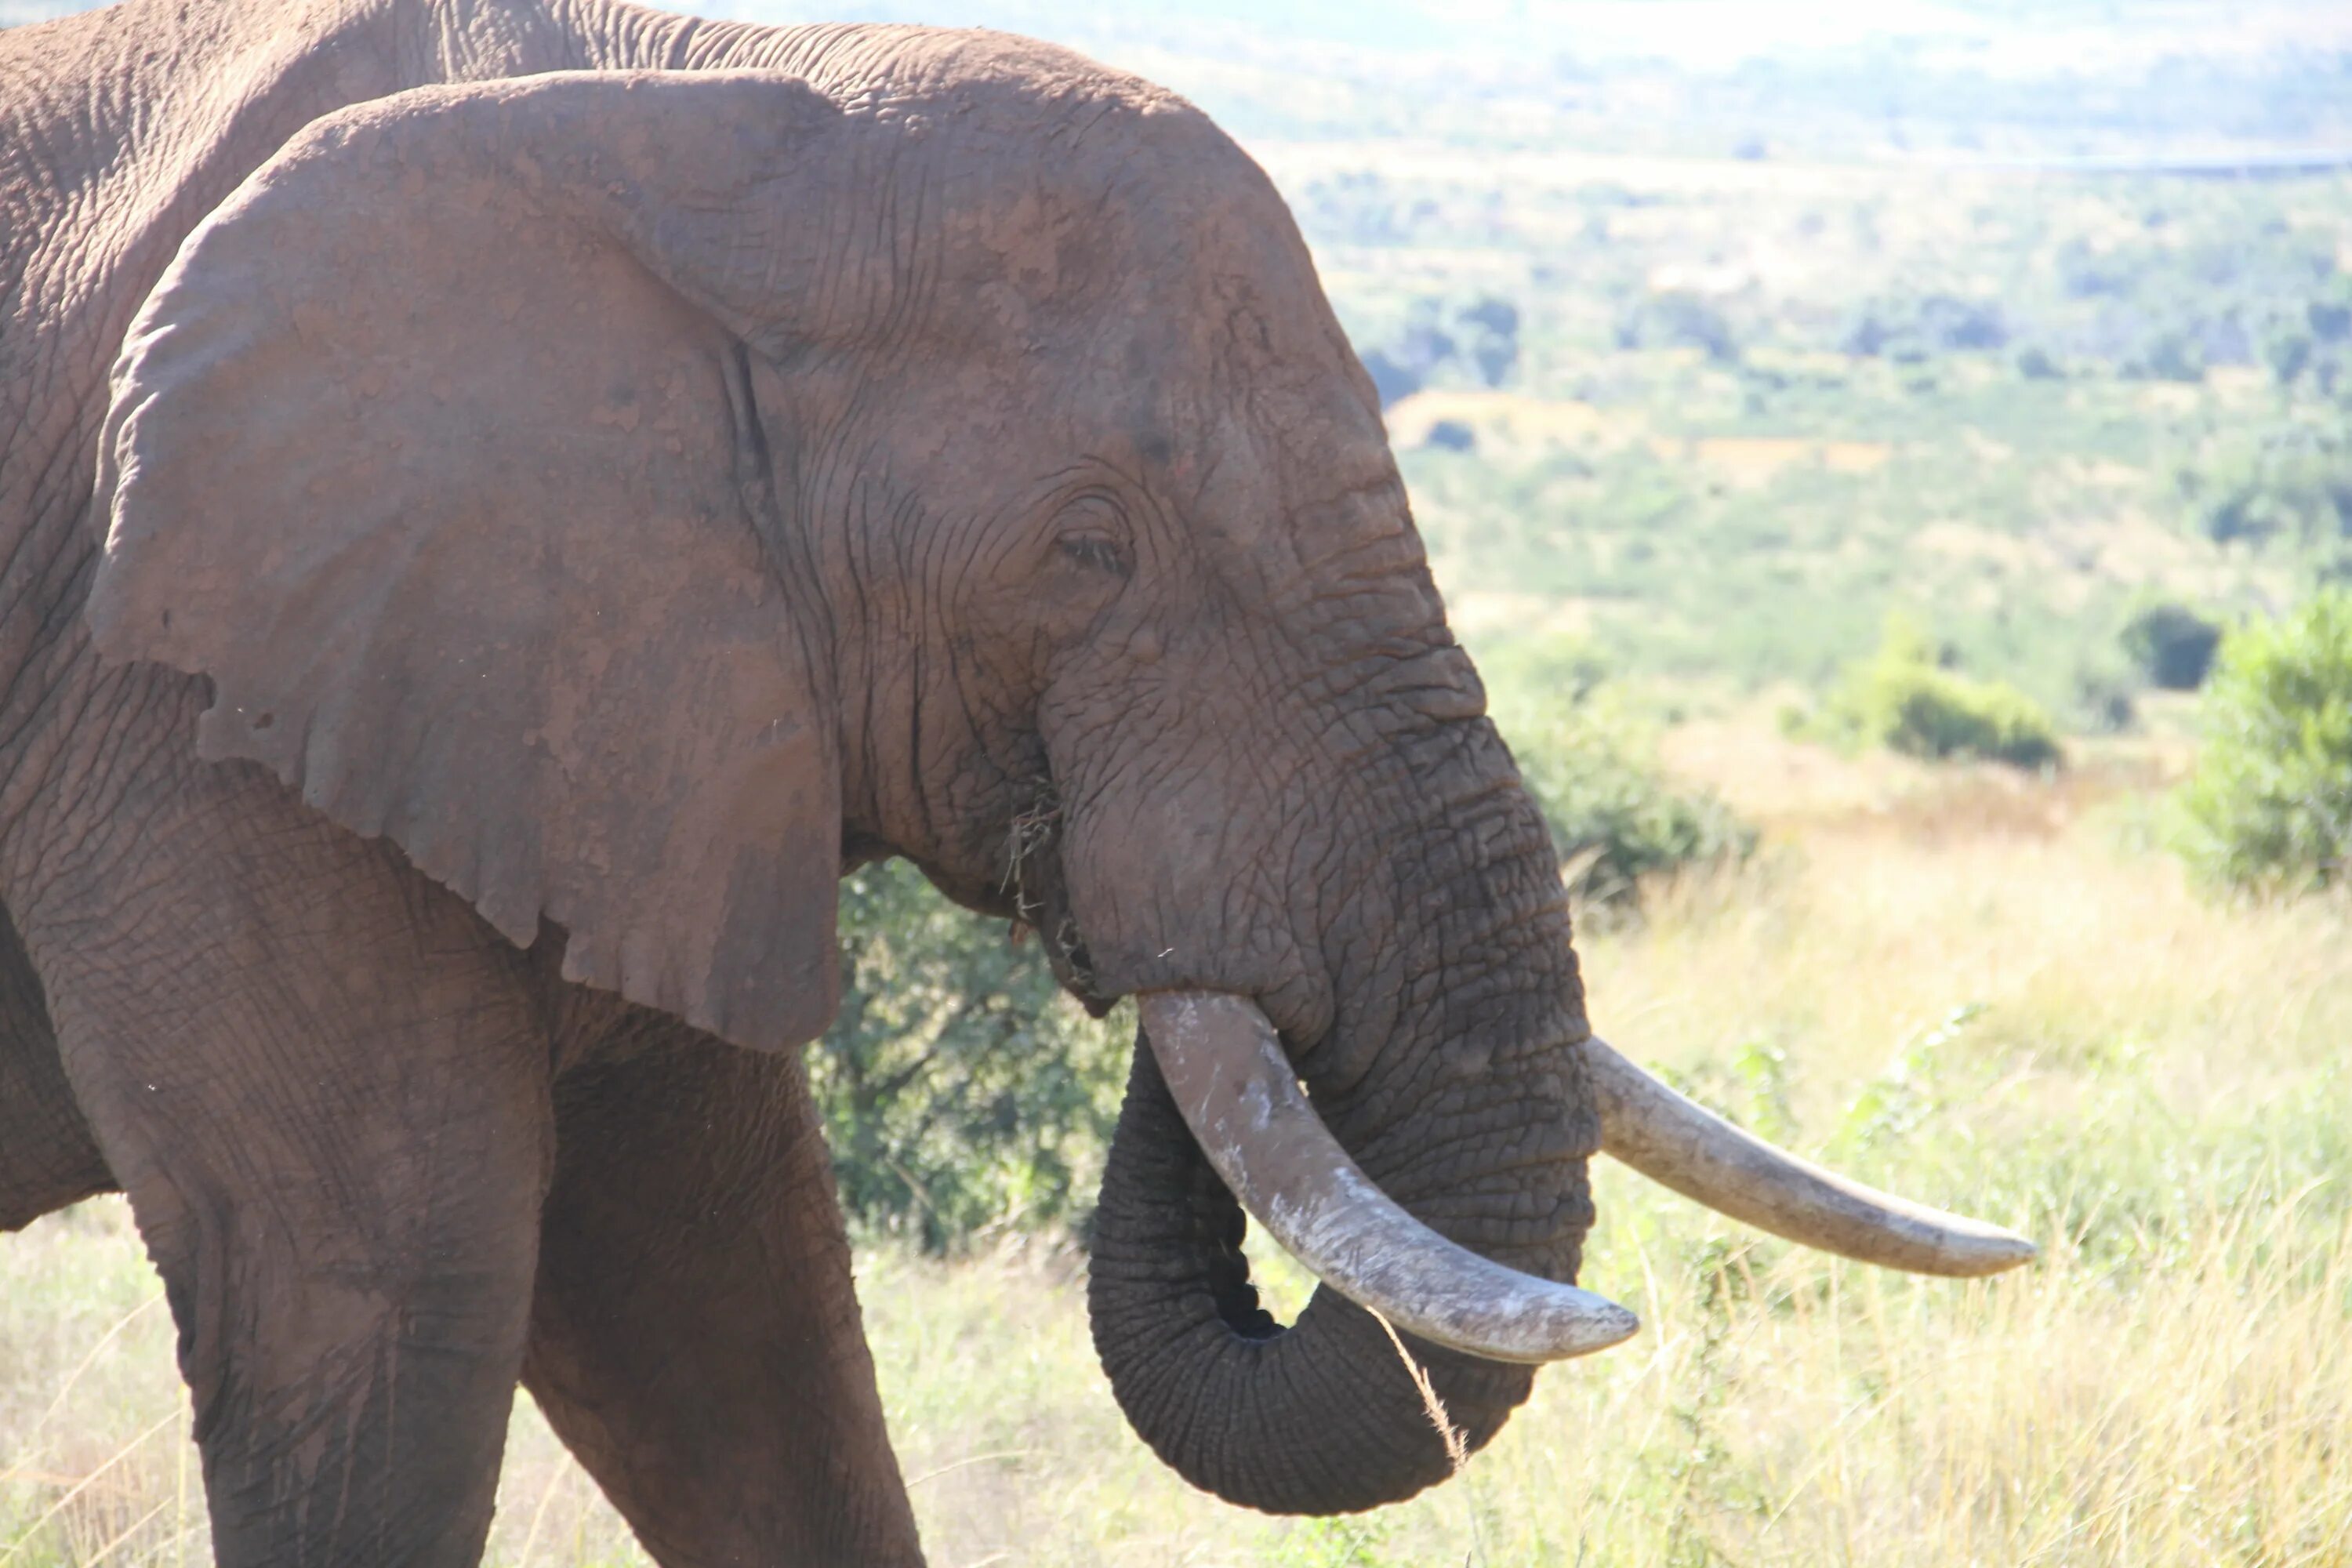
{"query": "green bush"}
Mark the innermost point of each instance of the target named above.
(1615, 816)
(2172, 645)
(1903, 698)
(2269, 807)
(962, 1092)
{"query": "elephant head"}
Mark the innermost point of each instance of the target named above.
(639, 495)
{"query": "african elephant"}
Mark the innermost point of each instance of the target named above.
(501, 502)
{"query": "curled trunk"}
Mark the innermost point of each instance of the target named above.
(1319, 1417)
(1445, 1067)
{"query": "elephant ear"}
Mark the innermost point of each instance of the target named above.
(435, 450)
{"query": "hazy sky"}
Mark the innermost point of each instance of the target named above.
(2028, 36)
(2024, 36)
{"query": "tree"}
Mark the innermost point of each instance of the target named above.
(961, 1091)
(2269, 807)
(2172, 645)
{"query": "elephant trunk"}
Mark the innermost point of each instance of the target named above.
(1319, 1417)
(1451, 1076)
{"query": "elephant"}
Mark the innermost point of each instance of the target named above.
(501, 503)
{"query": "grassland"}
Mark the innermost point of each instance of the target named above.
(1972, 988)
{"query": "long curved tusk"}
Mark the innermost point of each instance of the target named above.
(1702, 1156)
(1238, 1094)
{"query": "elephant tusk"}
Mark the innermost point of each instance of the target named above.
(1226, 1069)
(1690, 1149)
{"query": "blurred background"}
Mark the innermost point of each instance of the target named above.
(1893, 465)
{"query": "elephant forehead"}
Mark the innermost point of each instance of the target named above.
(1090, 212)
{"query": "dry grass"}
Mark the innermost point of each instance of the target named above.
(1985, 1001)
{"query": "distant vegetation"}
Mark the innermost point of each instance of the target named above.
(1479, 339)
(1589, 755)
(2171, 645)
(2270, 806)
(1906, 699)
(2289, 487)
(1750, 417)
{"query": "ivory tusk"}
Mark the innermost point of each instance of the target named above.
(1225, 1066)
(1690, 1149)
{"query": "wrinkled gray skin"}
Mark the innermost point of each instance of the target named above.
(534, 535)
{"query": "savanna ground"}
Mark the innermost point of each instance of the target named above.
(1971, 987)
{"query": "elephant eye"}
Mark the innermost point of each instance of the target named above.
(1096, 552)
(1092, 531)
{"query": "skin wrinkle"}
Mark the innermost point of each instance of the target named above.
(60, 478)
(862, 803)
(47, 1155)
(50, 640)
(64, 833)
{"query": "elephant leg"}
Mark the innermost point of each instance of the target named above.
(696, 1338)
(324, 1084)
(46, 1157)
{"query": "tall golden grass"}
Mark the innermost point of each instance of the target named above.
(1994, 1002)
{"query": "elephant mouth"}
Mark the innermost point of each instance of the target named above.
(1036, 890)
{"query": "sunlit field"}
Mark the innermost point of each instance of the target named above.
(1984, 992)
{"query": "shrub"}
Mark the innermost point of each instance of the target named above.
(962, 1091)
(2170, 356)
(2172, 645)
(2288, 354)
(2034, 363)
(1615, 816)
(1451, 436)
(1482, 337)
(2294, 485)
(1909, 329)
(1676, 319)
(1492, 326)
(2331, 315)
(1903, 698)
(2269, 807)
(1933, 714)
